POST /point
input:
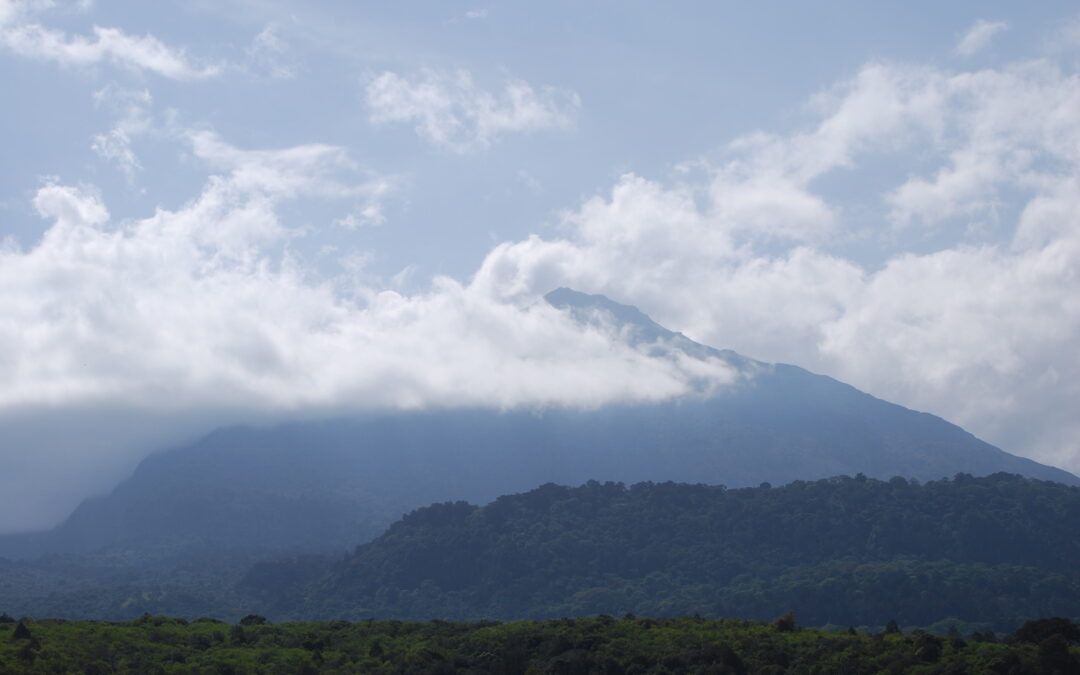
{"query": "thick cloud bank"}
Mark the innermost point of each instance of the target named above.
(190, 308)
(116, 337)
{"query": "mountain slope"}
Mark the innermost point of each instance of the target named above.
(329, 484)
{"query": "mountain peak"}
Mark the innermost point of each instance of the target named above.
(582, 305)
(639, 328)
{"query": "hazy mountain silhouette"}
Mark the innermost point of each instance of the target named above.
(328, 485)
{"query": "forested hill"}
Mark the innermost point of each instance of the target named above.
(997, 550)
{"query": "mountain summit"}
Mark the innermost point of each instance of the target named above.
(636, 327)
(584, 307)
(331, 484)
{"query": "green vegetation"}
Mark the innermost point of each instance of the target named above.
(992, 552)
(979, 553)
(155, 644)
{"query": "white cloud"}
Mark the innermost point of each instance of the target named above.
(451, 111)
(314, 169)
(370, 211)
(14, 10)
(268, 54)
(196, 303)
(1003, 127)
(200, 316)
(70, 207)
(980, 329)
(763, 188)
(979, 36)
(476, 14)
(20, 34)
(116, 144)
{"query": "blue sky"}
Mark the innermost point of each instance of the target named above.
(231, 211)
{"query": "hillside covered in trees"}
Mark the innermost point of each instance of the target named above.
(992, 551)
(979, 553)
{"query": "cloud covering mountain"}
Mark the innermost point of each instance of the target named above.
(912, 227)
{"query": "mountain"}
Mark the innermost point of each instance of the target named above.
(851, 551)
(327, 485)
(636, 326)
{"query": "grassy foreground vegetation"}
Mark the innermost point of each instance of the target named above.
(155, 644)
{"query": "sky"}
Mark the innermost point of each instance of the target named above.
(225, 211)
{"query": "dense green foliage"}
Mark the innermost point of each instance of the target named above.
(850, 551)
(596, 645)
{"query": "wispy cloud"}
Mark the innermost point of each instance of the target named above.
(269, 54)
(20, 33)
(451, 111)
(132, 108)
(312, 170)
(979, 36)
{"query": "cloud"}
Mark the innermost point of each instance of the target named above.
(370, 211)
(1003, 127)
(197, 303)
(115, 145)
(69, 206)
(762, 188)
(312, 170)
(979, 36)
(21, 35)
(200, 316)
(981, 328)
(14, 10)
(449, 110)
(285, 173)
(268, 54)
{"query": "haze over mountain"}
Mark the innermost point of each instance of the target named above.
(328, 485)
